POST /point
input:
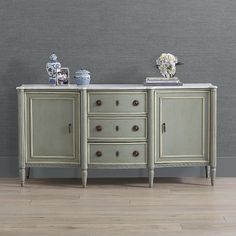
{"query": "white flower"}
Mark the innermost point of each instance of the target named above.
(166, 64)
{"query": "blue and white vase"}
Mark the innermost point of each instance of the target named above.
(53, 67)
(82, 77)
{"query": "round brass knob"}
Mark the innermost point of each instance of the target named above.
(99, 128)
(98, 153)
(135, 153)
(135, 128)
(135, 103)
(98, 102)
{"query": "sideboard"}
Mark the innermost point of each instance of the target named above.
(117, 126)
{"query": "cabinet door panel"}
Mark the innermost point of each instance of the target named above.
(52, 128)
(182, 126)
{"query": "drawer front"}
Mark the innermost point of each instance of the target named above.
(117, 128)
(111, 153)
(117, 102)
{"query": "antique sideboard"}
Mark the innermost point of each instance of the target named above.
(117, 126)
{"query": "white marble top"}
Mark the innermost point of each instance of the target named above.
(112, 86)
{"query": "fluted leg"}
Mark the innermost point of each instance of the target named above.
(207, 170)
(84, 176)
(151, 177)
(213, 175)
(22, 176)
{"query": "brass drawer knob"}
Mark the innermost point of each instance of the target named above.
(99, 128)
(135, 153)
(98, 102)
(135, 103)
(135, 128)
(98, 153)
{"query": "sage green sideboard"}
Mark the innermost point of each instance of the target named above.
(117, 126)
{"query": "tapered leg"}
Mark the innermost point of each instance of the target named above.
(28, 173)
(151, 177)
(213, 175)
(213, 133)
(84, 175)
(22, 176)
(207, 170)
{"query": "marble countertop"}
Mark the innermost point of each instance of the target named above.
(112, 86)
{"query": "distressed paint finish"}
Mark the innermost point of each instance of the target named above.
(195, 104)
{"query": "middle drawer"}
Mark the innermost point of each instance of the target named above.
(121, 128)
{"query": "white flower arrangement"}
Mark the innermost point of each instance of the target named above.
(166, 63)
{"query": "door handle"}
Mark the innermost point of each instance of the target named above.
(69, 128)
(163, 126)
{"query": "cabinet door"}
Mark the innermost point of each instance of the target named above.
(52, 131)
(182, 126)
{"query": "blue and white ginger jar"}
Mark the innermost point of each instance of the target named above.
(53, 67)
(82, 77)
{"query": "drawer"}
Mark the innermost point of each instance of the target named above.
(117, 102)
(112, 153)
(117, 128)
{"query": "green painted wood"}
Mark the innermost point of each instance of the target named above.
(21, 135)
(107, 128)
(182, 126)
(213, 134)
(151, 136)
(117, 102)
(118, 153)
(84, 138)
(189, 137)
(52, 127)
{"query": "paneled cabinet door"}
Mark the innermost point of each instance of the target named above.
(52, 130)
(182, 126)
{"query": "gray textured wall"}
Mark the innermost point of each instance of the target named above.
(118, 41)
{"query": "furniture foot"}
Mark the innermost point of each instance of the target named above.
(207, 171)
(84, 175)
(28, 173)
(213, 175)
(151, 177)
(22, 176)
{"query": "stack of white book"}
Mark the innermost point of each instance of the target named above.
(161, 81)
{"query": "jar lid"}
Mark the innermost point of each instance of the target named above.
(82, 71)
(53, 57)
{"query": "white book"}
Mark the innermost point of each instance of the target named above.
(161, 80)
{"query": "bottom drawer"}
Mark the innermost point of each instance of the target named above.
(117, 153)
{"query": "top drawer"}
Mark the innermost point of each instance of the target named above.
(117, 102)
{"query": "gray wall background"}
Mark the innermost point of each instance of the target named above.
(118, 41)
